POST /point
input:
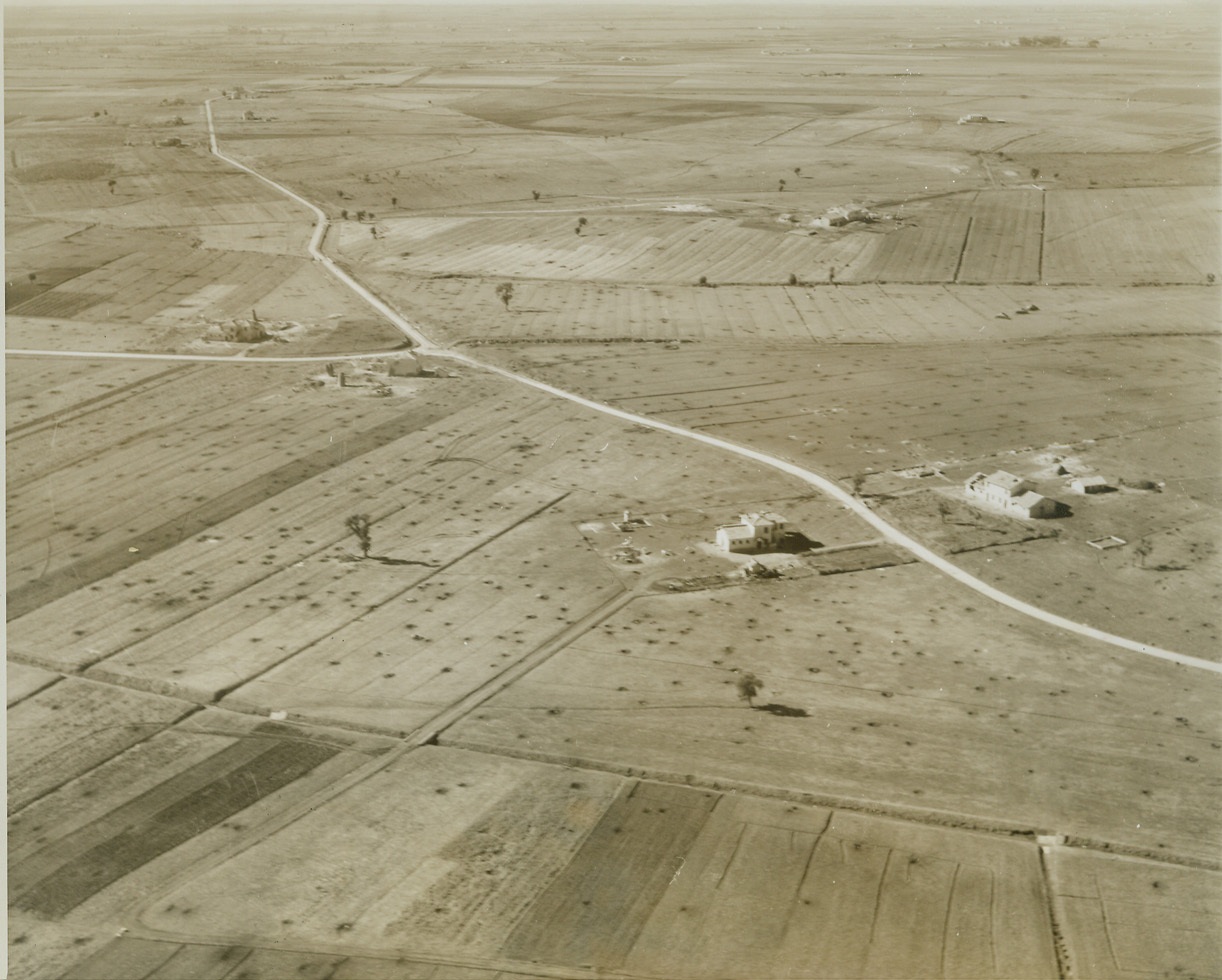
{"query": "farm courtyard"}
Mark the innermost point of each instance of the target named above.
(378, 378)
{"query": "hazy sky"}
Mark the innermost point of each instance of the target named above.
(744, 4)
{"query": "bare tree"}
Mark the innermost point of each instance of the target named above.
(359, 525)
(748, 686)
(504, 292)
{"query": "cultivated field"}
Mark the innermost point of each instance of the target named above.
(628, 875)
(537, 725)
(909, 708)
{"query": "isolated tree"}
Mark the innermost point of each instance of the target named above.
(748, 686)
(1035, 173)
(394, 202)
(702, 281)
(344, 213)
(504, 292)
(793, 279)
(33, 276)
(359, 525)
(831, 274)
(360, 216)
(373, 230)
(944, 509)
(111, 184)
(780, 185)
(535, 194)
(797, 171)
(581, 223)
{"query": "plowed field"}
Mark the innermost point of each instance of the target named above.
(527, 863)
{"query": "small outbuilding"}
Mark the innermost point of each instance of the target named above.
(753, 532)
(1090, 484)
(1032, 504)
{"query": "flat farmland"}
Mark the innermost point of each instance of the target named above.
(986, 407)
(73, 726)
(1126, 918)
(916, 714)
(143, 959)
(180, 423)
(1005, 239)
(504, 737)
(291, 613)
(150, 810)
(1139, 235)
(611, 248)
(614, 873)
(846, 408)
(466, 310)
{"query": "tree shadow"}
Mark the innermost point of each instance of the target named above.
(401, 561)
(784, 710)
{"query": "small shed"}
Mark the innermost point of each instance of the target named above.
(1090, 484)
(1032, 504)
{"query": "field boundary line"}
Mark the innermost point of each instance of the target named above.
(819, 482)
(1059, 947)
(924, 816)
(540, 655)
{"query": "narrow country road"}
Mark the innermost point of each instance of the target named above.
(816, 480)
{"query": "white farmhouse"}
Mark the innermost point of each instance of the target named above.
(1009, 493)
(753, 532)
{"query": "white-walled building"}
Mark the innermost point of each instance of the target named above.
(1009, 493)
(753, 532)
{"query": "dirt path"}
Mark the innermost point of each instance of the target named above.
(816, 480)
